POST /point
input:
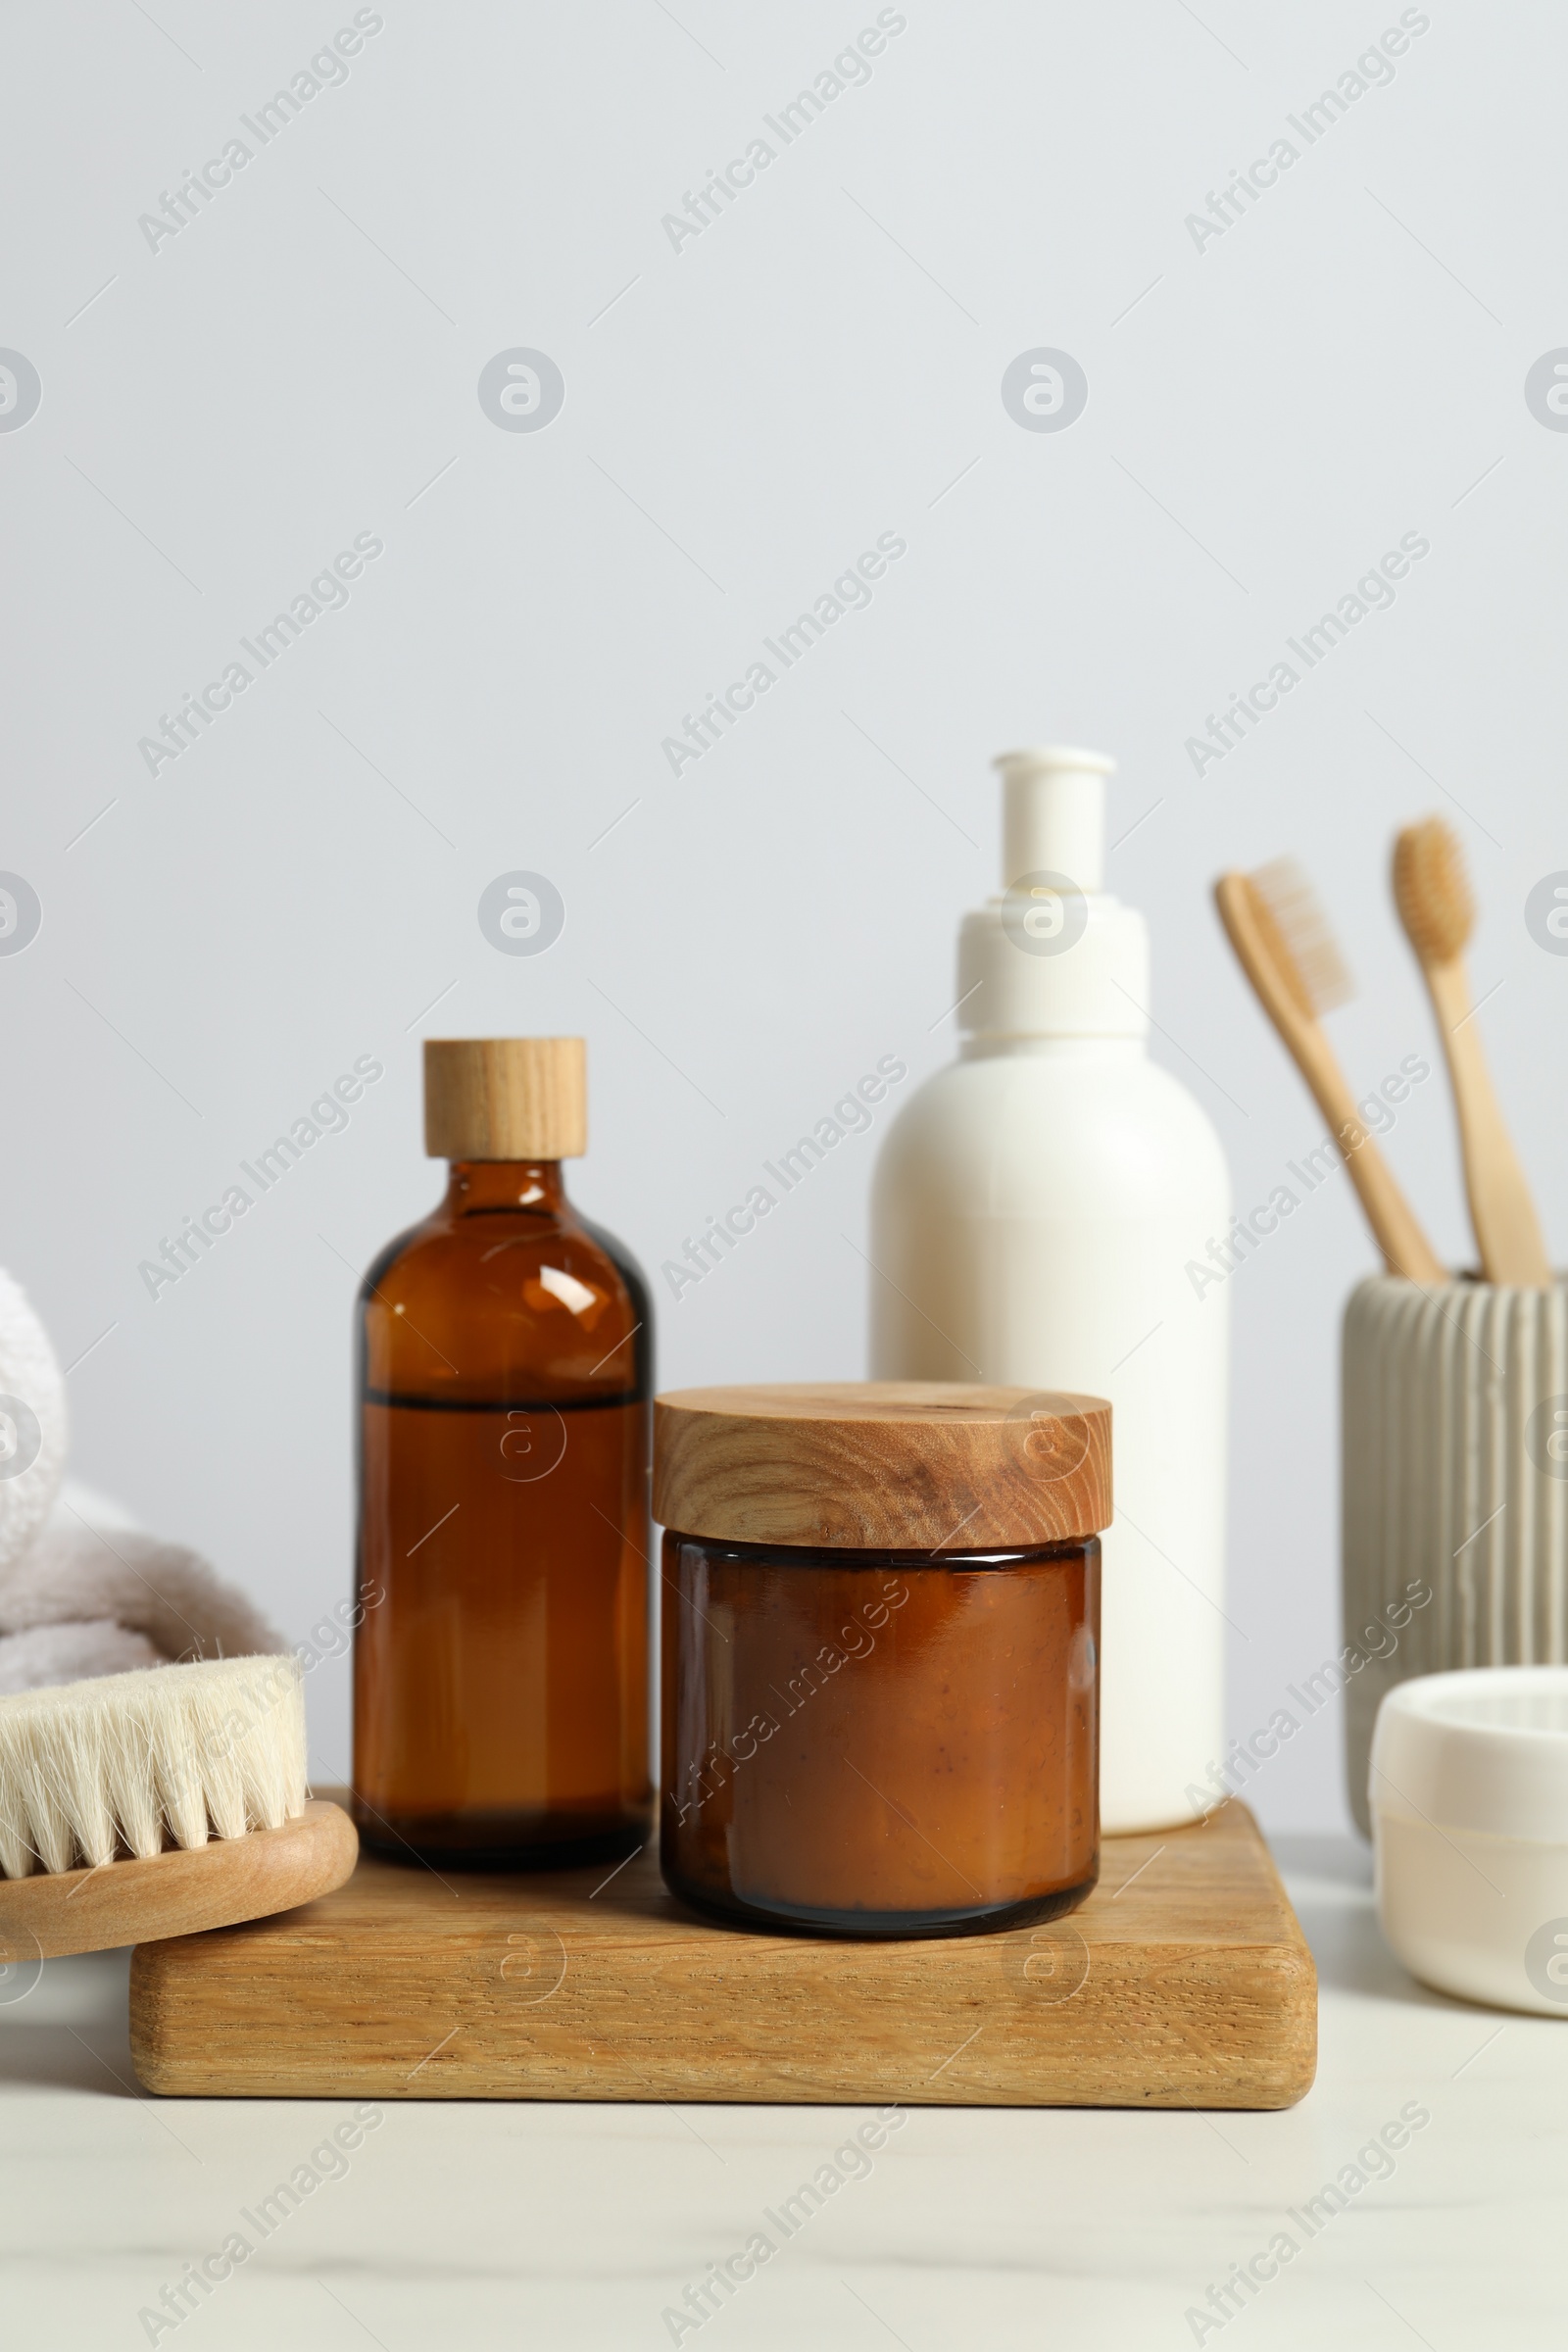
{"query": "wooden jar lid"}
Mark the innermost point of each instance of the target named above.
(506, 1098)
(882, 1465)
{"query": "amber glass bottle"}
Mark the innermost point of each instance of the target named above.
(506, 1364)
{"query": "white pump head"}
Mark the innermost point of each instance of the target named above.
(1053, 955)
(1054, 814)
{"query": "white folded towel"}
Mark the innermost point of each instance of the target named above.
(83, 1590)
(33, 1427)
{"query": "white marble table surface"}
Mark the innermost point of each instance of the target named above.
(489, 2225)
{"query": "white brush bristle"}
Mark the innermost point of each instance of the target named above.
(1306, 951)
(132, 1763)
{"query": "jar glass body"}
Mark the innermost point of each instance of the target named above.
(500, 1646)
(880, 1742)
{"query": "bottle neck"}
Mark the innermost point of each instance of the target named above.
(1086, 978)
(477, 1186)
(1055, 1049)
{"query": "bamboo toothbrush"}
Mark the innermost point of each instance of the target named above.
(1286, 949)
(158, 1802)
(1433, 895)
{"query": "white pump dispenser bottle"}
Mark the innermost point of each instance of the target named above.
(1035, 1210)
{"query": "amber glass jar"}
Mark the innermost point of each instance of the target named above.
(880, 1672)
(501, 1664)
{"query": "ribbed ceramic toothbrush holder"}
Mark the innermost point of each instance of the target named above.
(1454, 1486)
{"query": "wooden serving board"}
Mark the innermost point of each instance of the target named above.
(1184, 1982)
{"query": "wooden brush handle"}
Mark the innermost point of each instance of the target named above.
(1507, 1232)
(180, 1893)
(1405, 1247)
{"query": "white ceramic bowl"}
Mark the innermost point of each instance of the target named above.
(1468, 1791)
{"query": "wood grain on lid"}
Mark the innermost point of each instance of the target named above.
(882, 1465)
(506, 1098)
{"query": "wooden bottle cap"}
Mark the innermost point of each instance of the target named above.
(506, 1098)
(882, 1465)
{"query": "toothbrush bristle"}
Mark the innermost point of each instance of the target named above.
(1296, 929)
(1432, 890)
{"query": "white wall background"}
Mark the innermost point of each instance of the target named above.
(219, 941)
